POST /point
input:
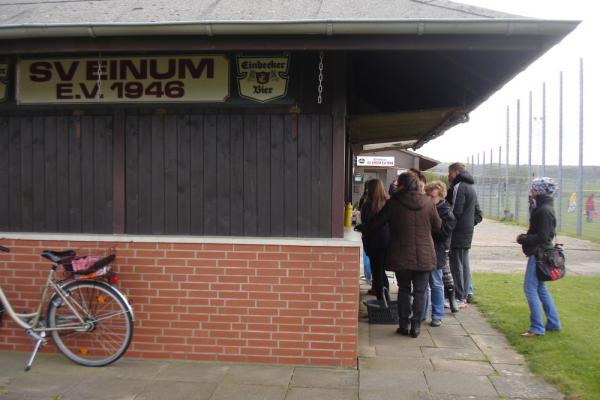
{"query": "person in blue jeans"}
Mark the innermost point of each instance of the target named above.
(436, 191)
(541, 232)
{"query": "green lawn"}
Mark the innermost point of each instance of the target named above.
(571, 358)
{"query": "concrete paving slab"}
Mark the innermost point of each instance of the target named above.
(105, 388)
(437, 396)
(177, 391)
(525, 387)
(406, 381)
(301, 393)
(482, 368)
(512, 369)
(259, 375)
(447, 330)
(490, 341)
(367, 351)
(233, 391)
(193, 372)
(459, 384)
(39, 382)
(398, 351)
(395, 364)
(324, 378)
(389, 337)
(23, 396)
(454, 354)
(396, 395)
(460, 342)
(479, 328)
(503, 356)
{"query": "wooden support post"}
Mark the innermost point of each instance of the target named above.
(337, 72)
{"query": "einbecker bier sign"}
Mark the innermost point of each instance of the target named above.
(182, 78)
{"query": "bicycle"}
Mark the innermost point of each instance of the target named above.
(90, 321)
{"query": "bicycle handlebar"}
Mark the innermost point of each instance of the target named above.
(4, 249)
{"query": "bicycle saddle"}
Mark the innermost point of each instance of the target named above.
(58, 256)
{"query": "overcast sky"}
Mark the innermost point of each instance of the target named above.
(487, 126)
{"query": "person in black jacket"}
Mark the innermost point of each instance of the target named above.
(436, 191)
(377, 242)
(541, 232)
(465, 207)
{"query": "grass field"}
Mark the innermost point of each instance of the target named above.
(570, 359)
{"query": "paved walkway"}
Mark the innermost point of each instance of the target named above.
(463, 359)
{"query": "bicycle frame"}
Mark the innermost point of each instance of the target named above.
(21, 318)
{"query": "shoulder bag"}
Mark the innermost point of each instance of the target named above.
(550, 263)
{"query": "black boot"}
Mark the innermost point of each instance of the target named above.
(415, 328)
(404, 327)
(452, 300)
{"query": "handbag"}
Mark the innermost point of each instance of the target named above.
(550, 263)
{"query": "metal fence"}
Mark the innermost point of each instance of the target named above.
(534, 147)
(503, 194)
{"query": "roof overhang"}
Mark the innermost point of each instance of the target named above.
(429, 73)
(407, 129)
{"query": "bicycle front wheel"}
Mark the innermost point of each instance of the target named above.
(107, 327)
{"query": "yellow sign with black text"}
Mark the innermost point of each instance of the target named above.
(263, 79)
(157, 79)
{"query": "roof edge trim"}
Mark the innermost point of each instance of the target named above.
(507, 27)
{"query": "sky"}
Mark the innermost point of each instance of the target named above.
(486, 129)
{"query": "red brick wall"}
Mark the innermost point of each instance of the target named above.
(222, 302)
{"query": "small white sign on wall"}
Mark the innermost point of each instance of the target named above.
(375, 161)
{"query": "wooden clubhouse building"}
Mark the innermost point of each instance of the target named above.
(211, 144)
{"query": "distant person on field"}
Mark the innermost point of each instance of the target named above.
(541, 232)
(572, 202)
(590, 208)
(465, 207)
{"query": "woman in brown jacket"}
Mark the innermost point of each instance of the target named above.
(411, 254)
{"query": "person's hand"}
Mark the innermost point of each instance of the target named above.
(521, 238)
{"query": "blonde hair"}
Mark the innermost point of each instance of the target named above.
(376, 195)
(437, 185)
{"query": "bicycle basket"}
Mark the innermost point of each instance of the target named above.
(88, 261)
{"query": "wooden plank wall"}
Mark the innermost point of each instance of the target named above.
(184, 174)
(56, 174)
(229, 174)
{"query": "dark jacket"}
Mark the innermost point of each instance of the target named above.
(466, 210)
(412, 219)
(378, 238)
(441, 239)
(542, 226)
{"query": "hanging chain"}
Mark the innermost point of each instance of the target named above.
(99, 80)
(320, 87)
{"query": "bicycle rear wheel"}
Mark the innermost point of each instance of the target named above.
(107, 329)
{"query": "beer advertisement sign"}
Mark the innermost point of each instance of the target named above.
(148, 79)
(263, 79)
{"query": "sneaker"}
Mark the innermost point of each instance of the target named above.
(470, 298)
(436, 322)
(446, 304)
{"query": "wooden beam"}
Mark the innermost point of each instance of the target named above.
(337, 72)
(119, 171)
